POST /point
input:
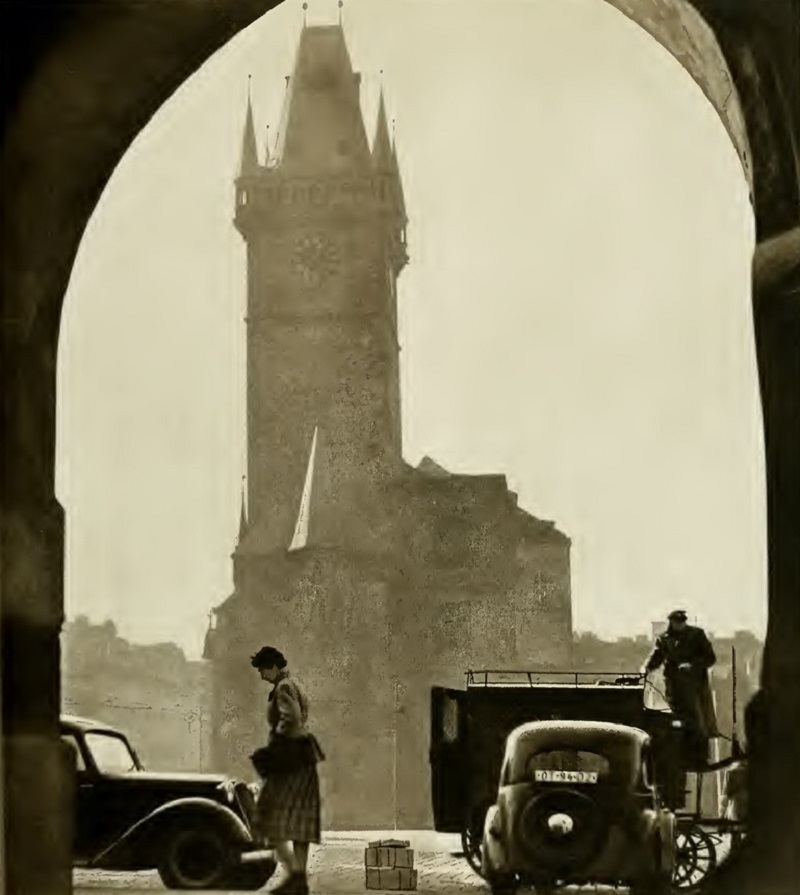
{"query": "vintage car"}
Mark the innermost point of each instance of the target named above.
(195, 829)
(576, 804)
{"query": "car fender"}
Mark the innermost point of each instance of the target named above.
(140, 844)
(495, 855)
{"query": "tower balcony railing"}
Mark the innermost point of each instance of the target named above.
(314, 193)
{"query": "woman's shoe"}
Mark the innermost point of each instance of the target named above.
(294, 884)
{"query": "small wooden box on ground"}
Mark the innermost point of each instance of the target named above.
(390, 865)
(399, 879)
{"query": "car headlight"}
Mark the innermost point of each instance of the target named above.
(677, 724)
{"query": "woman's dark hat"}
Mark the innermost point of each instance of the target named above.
(678, 615)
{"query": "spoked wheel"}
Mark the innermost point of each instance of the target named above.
(472, 837)
(695, 857)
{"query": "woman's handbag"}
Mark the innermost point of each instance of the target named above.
(285, 755)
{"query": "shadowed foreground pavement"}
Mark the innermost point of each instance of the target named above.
(337, 868)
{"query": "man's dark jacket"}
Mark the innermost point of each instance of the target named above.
(688, 690)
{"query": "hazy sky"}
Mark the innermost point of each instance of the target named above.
(575, 313)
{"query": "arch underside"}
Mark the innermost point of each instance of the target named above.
(50, 187)
(684, 33)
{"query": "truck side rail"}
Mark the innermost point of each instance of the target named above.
(534, 678)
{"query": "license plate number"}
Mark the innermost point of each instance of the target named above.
(566, 776)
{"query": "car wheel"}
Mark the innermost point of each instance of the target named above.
(499, 883)
(249, 877)
(196, 856)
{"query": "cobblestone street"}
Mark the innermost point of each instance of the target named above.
(337, 868)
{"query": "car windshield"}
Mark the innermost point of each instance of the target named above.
(111, 754)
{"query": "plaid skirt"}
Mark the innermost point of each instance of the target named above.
(289, 807)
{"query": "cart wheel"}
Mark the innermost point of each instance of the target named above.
(472, 838)
(695, 857)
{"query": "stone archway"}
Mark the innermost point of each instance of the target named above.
(61, 141)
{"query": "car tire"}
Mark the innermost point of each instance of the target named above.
(196, 856)
(659, 880)
(249, 877)
(499, 883)
(502, 884)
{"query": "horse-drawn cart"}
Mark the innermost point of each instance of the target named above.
(469, 728)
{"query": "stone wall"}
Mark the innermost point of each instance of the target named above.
(458, 578)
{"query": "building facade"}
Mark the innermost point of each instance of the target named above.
(151, 691)
(377, 580)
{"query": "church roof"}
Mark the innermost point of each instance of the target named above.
(431, 470)
(430, 467)
(322, 128)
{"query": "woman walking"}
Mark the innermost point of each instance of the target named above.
(289, 801)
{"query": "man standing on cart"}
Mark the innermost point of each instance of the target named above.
(686, 654)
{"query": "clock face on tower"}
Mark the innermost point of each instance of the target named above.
(314, 259)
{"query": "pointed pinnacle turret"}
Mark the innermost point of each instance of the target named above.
(382, 147)
(249, 162)
(398, 181)
(242, 516)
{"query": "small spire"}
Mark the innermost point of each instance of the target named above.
(300, 537)
(249, 161)
(398, 180)
(242, 514)
(266, 148)
(381, 147)
(340, 12)
(305, 14)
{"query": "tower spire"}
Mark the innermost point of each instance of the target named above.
(321, 126)
(249, 161)
(397, 179)
(266, 148)
(382, 147)
(242, 515)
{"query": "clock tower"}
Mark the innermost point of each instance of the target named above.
(323, 220)
(378, 580)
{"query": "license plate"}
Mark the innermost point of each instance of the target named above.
(566, 776)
